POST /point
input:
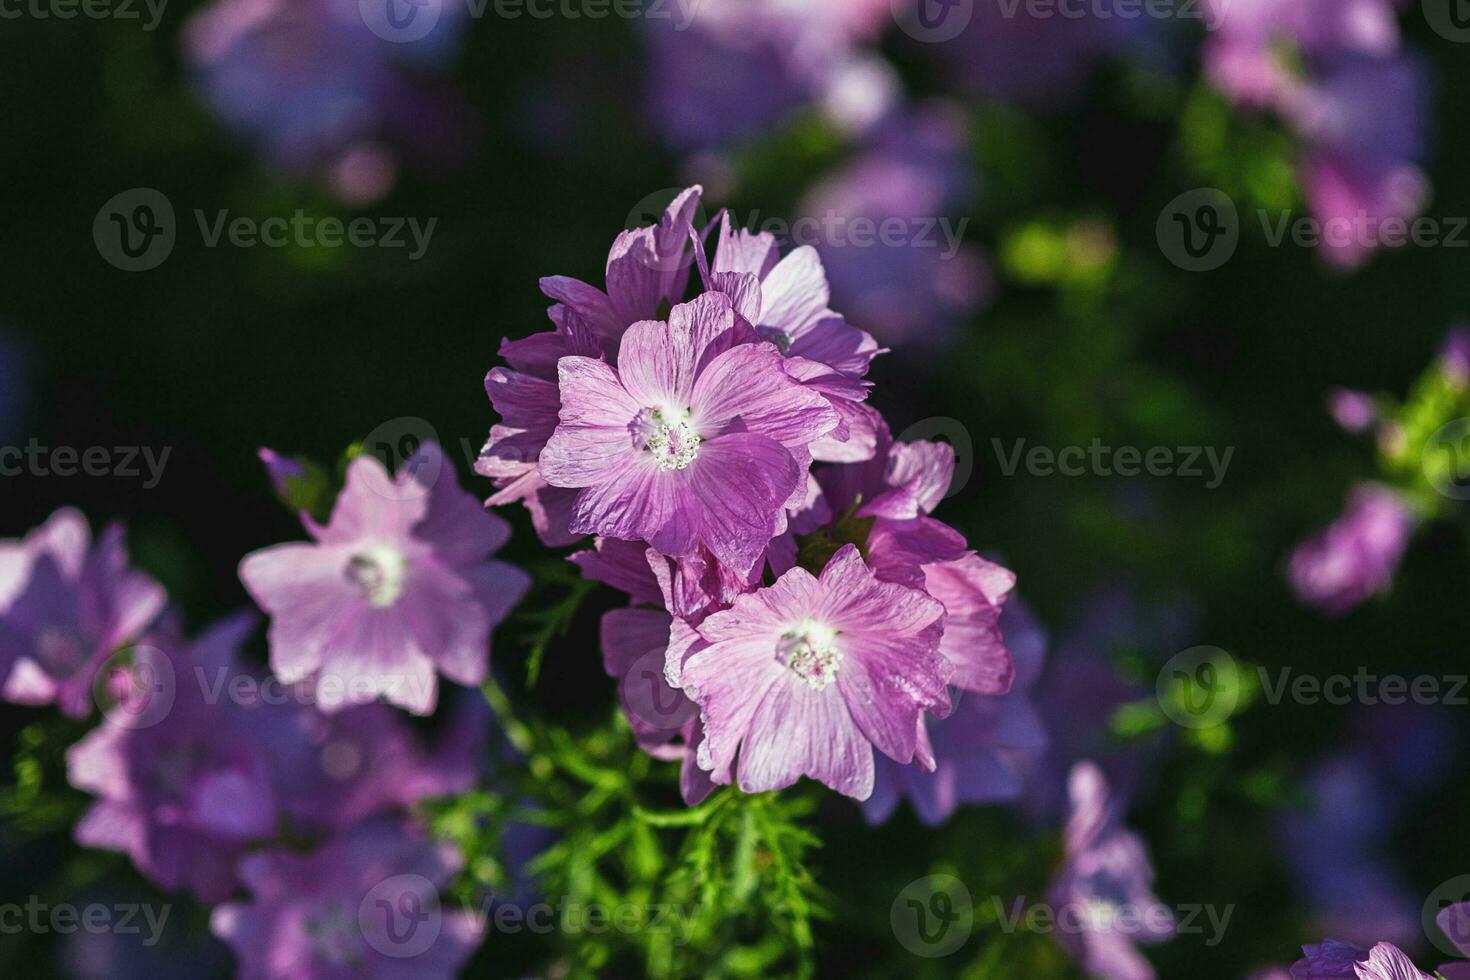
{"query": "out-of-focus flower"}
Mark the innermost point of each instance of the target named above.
(318, 91)
(976, 747)
(723, 72)
(184, 795)
(1082, 689)
(888, 236)
(162, 948)
(1454, 356)
(364, 905)
(1015, 54)
(330, 771)
(1355, 411)
(695, 438)
(1339, 846)
(1356, 556)
(1335, 72)
(1106, 886)
(647, 274)
(66, 605)
(807, 676)
(395, 589)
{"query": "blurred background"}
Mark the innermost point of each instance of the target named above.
(1081, 297)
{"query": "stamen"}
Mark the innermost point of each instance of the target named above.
(810, 651)
(379, 573)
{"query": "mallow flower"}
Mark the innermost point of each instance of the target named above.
(395, 589)
(647, 273)
(786, 300)
(808, 676)
(183, 787)
(698, 438)
(66, 605)
(1356, 556)
(1106, 886)
(364, 905)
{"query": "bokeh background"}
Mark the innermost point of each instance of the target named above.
(530, 142)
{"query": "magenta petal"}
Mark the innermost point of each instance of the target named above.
(797, 731)
(742, 482)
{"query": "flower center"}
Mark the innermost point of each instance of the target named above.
(669, 437)
(378, 572)
(810, 651)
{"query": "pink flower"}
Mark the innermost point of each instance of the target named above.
(393, 588)
(1356, 556)
(1106, 886)
(695, 439)
(66, 605)
(807, 676)
(647, 272)
(365, 905)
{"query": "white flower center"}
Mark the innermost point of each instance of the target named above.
(809, 650)
(669, 437)
(378, 572)
(1099, 914)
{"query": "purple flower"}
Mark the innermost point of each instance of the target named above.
(1356, 556)
(807, 676)
(1355, 411)
(184, 794)
(393, 589)
(1334, 71)
(66, 605)
(911, 171)
(722, 73)
(786, 300)
(1334, 959)
(1454, 356)
(318, 91)
(1082, 689)
(364, 905)
(1106, 886)
(332, 770)
(975, 749)
(647, 273)
(696, 438)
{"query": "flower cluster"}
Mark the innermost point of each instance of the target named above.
(1338, 75)
(291, 803)
(786, 580)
